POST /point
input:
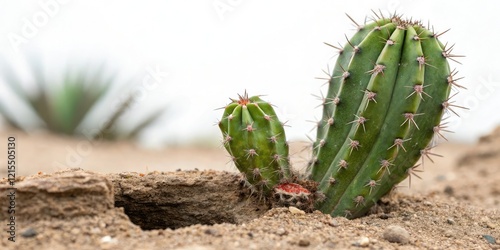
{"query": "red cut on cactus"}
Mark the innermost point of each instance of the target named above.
(292, 188)
(293, 194)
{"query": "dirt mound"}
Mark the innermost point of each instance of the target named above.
(488, 149)
(481, 163)
(65, 194)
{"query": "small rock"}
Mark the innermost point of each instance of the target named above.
(450, 221)
(490, 225)
(333, 223)
(384, 216)
(488, 222)
(295, 210)
(397, 234)
(304, 243)
(449, 190)
(75, 231)
(406, 217)
(318, 225)
(28, 233)
(428, 203)
(490, 239)
(109, 239)
(281, 231)
(362, 242)
(211, 231)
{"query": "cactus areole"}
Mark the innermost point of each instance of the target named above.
(256, 141)
(385, 100)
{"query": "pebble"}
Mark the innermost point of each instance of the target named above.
(333, 223)
(449, 190)
(397, 234)
(109, 239)
(450, 221)
(304, 243)
(488, 222)
(295, 210)
(30, 232)
(362, 242)
(490, 239)
(281, 231)
(211, 231)
(490, 225)
(384, 216)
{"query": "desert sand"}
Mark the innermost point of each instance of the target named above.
(119, 196)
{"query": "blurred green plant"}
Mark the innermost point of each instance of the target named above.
(64, 103)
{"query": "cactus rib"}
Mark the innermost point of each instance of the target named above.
(362, 60)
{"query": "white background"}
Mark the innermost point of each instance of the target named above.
(216, 49)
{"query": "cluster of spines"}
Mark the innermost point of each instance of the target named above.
(256, 141)
(367, 143)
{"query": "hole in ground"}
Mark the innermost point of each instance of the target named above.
(179, 199)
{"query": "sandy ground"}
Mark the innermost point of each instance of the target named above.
(456, 204)
(48, 153)
(44, 152)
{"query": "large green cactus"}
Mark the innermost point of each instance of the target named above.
(256, 140)
(385, 102)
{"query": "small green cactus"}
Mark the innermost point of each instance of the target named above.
(256, 141)
(386, 98)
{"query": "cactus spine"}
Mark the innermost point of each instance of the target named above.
(385, 101)
(256, 141)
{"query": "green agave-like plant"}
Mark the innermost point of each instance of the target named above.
(62, 106)
(387, 94)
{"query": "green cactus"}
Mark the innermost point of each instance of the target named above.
(386, 98)
(256, 141)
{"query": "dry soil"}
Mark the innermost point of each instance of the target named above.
(124, 197)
